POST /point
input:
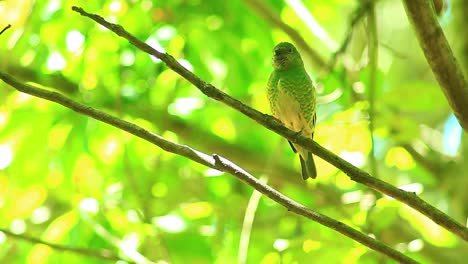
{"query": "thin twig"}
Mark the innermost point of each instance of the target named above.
(101, 254)
(269, 122)
(440, 57)
(373, 55)
(249, 216)
(213, 161)
(431, 166)
(4, 29)
(356, 17)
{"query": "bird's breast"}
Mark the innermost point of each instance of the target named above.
(289, 112)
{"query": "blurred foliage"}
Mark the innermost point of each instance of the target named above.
(71, 180)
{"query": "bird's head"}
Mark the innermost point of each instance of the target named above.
(286, 56)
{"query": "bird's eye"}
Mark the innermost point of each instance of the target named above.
(290, 50)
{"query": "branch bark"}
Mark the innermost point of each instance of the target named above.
(101, 254)
(440, 57)
(269, 122)
(5, 28)
(214, 161)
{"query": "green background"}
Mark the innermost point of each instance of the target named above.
(71, 180)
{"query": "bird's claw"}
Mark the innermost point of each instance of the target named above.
(297, 135)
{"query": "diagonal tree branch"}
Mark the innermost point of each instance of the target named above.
(214, 161)
(101, 254)
(269, 122)
(440, 57)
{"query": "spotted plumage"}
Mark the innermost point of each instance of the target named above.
(292, 99)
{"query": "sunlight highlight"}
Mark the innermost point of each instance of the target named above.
(4, 115)
(127, 58)
(40, 215)
(89, 205)
(165, 33)
(452, 136)
(115, 6)
(281, 244)
(74, 40)
(3, 237)
(18, 226)
(353, 157)
(415, 245)
(6, 156)
(154, 43)
(351, 197)
(316, 29)
(52, 7)
(185, 106)
(213, 172)
(170, 223)
(416, 188)
(56, 62)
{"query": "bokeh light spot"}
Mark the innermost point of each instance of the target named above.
(6, 156)
(56, 62)
(74, 40)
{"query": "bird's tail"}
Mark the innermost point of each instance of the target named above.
(308, 167)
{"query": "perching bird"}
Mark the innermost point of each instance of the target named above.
(293, 100)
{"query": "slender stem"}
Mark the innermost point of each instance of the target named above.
(356, 16)
(373, 55)
(249, 216)
(5, 28)
(101, 254)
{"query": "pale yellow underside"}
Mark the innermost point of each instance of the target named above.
(289, 112)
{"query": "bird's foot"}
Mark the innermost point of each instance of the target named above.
(297, 135)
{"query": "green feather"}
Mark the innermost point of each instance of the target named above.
(292, 99)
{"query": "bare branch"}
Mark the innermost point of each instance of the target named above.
(269, 122)
(214, 161)
(5, 28)
(440, 57)
(101, 254)
(356, 17)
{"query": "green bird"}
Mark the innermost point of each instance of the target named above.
(293, 100)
